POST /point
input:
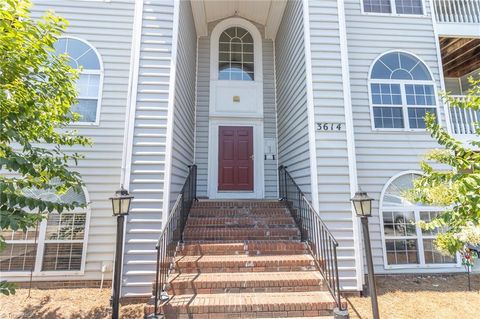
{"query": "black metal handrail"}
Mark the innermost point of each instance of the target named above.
(172, 235)
(320, 241)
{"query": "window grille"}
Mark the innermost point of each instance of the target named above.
(82, 55)
(57, 244)
(402, 92)
(405, 243)
(236, 55)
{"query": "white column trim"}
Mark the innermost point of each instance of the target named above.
(196, 105)
(170, 114)
(310, 106)
(132, 95)
(349, 131)
(130, 113)
(440, 69)
(276, 111)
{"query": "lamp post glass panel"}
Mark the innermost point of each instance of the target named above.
(363, 208)
(120, 206)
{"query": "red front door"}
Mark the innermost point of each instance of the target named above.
(235, 158)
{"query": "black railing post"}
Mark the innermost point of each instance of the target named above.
(195, 182)
(171, 236)
(157, 280)
(320, 241)
(280, 182)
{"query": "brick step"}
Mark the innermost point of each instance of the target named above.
(240, 204)
(247, 221)
(209, 283)
(250, 305)
(240, 212)
(260, 247)
(206, 233)
(243, 263)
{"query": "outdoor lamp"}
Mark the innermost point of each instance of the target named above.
(362, 204)
(120, 206)
(121, 202)
(363, 208)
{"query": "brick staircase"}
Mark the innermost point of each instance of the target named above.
(244, 259)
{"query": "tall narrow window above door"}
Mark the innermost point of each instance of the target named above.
(235, 57)
(393, 6)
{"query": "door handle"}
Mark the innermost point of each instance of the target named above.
(252, 157)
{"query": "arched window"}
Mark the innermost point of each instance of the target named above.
(402, 91)
(235, 55)
(58, 244)
(81, 54)
(405, 243)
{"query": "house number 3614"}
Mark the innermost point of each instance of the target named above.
(329, 126)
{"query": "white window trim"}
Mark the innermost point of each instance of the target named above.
(418, 237)
(404, 105)
(257, 48)
(100, 84)
(394, 11)
(42, 227)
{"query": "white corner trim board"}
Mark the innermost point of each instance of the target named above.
(310, 106)
(132, 96)
(131, 108)
(352, 161)
(170, 114)
(446, 112)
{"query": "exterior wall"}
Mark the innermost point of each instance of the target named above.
(147, 172)
(292, 116)
(381, 155)
(333, 169)
(184, 107)
(108, 27)
(202, 112)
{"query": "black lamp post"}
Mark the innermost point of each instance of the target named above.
(363, 208)
(120, 206)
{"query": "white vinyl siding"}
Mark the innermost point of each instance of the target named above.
(292, 115)
(184, 106)
(147, 173)
(380, 154)
(202, 112)
(331, 146)
(108, 27)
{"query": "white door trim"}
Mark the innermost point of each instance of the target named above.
(258, 165)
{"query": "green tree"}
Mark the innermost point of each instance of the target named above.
(457, 186)
(37, 89)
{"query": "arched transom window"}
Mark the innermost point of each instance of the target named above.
(56, 245)
(405, 243)
(235, 60)
(402, 91)
(82, 55)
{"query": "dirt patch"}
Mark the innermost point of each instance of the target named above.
(91, 303)
(422, 297)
